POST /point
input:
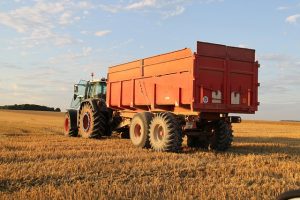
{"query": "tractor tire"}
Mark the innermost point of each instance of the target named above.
(222, 137)
(92, 123)
(165, 133)
(196, 142)
(70, 123)
(139, 129)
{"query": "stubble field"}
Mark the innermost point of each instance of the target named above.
(38, 162)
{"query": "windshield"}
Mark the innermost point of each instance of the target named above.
(97, 90)
(79, 93)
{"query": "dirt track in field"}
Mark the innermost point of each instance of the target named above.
(37, 162)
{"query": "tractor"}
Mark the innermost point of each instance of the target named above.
(88, 115)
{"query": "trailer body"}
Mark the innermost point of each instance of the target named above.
(215, 79)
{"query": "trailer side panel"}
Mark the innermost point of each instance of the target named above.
(162, 82)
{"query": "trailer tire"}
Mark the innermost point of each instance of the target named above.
(196, 142)
(92, 123)
(139, 129)
(70, 123)
(223, 137)
(165, 133)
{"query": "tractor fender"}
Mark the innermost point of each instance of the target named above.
(72, 112)
(97, 104)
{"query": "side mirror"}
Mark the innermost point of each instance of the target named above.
(77, 96)
(75, 89)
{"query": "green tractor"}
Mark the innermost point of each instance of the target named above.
(88, 115)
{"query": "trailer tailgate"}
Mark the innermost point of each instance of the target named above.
(226, 79)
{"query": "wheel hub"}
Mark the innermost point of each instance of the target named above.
(66, 124)
(159, 132)
(86, 121)
(137, 130)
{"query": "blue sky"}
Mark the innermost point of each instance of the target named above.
(47, 46)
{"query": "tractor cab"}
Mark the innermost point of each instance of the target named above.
(95, 89)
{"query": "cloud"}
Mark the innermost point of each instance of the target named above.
(242, 45)
(279, 77)
(86, 51)
(102, 33)
(274, 57)
(121, 44)
(141, 4)
(42, 86)
(280, 8)
(65, 18)
(71, 56)
(84, 32)
(85, 5)
(178, 11)
(39, 23)
(166, 8)
(10, 66)
(293, 19)
(111, 8)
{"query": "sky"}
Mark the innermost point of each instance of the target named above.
(48, 46)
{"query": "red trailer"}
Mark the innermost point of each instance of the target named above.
(215, 79)
(161, 99)
(193, 92)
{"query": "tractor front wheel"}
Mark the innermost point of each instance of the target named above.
(70, 123)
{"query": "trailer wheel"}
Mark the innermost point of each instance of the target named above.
(165, 133)
(222, 137)
(70, 123)
(92, 123)
(196, 142)
(139, 128)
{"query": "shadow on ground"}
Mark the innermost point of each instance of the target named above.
(266, 145)
(259, 146)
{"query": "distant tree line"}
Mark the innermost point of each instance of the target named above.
(29, 107)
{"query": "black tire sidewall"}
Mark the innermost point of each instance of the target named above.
(222, 138)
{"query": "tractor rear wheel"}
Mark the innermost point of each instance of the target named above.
(70, 123)
(165, 133)
(222, 137)
(92, 123)
(139, 128)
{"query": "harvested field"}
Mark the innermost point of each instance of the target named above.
(38, 162)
